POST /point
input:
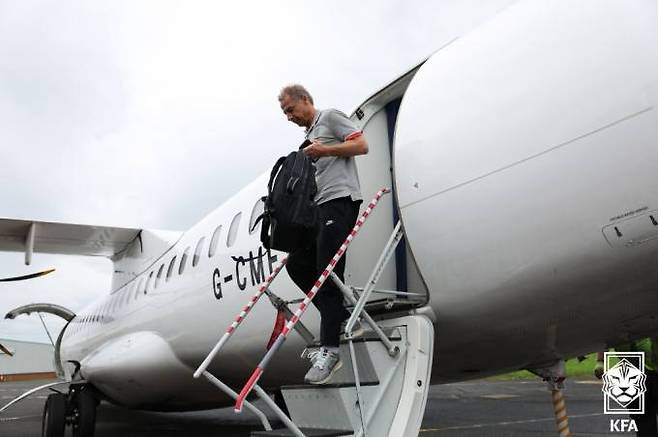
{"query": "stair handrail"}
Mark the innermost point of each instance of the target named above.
(389, 249)
(260, 368)
(262, 288)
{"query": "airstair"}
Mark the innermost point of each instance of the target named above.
(382, 386)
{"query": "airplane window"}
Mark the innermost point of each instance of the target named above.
(149, 281)
(126, 294)
(170, 270)
(159, 277)
(213, 242)
(183, 261)
(130, 292)
(139, 287)
(233, 230)
(197, 251)
(258, 210)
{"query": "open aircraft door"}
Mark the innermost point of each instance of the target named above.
(377, 117)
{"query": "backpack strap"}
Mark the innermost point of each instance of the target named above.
(265, 230)
(275, 170)
(298, 167)
(262, 215)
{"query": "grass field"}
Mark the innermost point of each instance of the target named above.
(575, 369)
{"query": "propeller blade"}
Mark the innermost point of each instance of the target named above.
(30, 276)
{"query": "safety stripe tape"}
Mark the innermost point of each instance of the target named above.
(561, 418)
(240, 317)
(261, 289)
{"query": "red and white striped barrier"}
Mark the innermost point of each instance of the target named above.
(240, 317)
(302, 307)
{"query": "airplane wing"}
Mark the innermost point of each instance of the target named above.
(63, 238)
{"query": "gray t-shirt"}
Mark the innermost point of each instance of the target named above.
(335, 176)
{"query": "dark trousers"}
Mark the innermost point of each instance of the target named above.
(646, 423)
(336, 220)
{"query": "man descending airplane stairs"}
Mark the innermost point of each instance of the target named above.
(387, 391)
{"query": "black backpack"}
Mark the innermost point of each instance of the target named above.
(290, 213)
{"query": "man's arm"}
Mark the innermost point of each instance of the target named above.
(350, 147)
(354, 143)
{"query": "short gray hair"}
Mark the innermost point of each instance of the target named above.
(295, 91)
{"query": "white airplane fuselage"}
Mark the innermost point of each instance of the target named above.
(523, 166)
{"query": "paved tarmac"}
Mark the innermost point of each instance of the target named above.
(470, 409)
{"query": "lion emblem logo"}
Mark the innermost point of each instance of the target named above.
(624, 383)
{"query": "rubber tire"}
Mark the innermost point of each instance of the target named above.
(54, 416)
(85, 403)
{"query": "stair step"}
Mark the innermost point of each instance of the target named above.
(327, 386)
(393, 334)
(308, 432)
(344, 377)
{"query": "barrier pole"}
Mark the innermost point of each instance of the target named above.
(560, 409)
(240, 317)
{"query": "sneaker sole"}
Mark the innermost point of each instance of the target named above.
(337, 367)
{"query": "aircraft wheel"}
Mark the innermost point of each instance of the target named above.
(54, 416)
(84, 414)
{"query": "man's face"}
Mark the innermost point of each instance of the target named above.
(297, 111)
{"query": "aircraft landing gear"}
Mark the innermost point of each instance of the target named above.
(77, 409)
(54, 416)
(83, 413)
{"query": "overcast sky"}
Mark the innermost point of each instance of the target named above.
(151, 113)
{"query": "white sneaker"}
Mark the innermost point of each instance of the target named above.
(325, 364)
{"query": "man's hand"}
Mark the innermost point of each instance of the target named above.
(315, 150)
